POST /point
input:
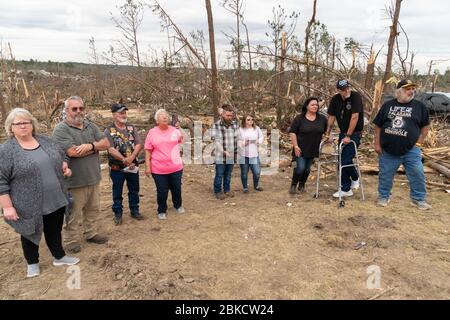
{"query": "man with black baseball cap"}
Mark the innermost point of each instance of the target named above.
(117, 107)
(401, 126)
(122, 159)
(347, 108)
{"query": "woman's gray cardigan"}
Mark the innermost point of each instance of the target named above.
(21, 178)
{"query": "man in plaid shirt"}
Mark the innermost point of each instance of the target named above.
(225, 134)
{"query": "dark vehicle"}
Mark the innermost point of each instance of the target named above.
(437, 103)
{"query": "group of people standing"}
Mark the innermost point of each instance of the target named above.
(401, 126)
(45, 181)
(235, 144)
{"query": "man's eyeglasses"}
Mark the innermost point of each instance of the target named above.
(23, 123)
(81, 109)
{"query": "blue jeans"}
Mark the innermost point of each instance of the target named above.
(348, 153)
(118, 178)
(412, 161)
(302, 170)
(223, 175)
(164, 183)
(250, 164)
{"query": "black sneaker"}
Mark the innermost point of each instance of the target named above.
(219, 195)
(137, 216)
(117, 220)
(301, 187)
(293, 189)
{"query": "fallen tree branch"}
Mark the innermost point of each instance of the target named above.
(381, 294)
(440, 168)
(45, 291)
(374, 169)
(431, 183)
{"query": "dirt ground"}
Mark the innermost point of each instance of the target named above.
(267, 245)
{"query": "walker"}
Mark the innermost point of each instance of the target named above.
(336, 155)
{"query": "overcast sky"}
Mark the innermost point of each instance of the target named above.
(60, 30)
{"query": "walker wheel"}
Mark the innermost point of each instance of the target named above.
(342, 204)
(316, 195)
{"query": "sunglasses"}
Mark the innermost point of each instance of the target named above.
(81, 109)
(23, 123)
(249, 119)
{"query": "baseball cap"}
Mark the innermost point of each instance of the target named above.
(405, 83)
(117, 107)
(342, 84)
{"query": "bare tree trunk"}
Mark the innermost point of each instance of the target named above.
(428, 79)
(391, 42)
(333, 54)
(3, 110)
(250, 67)
(135, 40)
(238, 45)
(212, 48)
(434, 83)
(280, 80)
(307, 32)
(411, 65)
(370, 70)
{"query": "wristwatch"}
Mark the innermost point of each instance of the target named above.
(93, 146)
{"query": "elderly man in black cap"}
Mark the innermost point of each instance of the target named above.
(347, 108)
(122, 158)
(401, 126)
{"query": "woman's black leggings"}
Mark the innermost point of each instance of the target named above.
(53, 223)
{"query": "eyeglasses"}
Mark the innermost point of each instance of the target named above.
(23, 123)
(81, 109)
(249, 119)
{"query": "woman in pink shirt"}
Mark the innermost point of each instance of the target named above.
(163, 161)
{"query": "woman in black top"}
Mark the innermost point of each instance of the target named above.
(306, 133)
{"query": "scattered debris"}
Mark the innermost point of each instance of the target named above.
(359, 245)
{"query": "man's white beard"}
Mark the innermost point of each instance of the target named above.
(404, 98)
(76, 120)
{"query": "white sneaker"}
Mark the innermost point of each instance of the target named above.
(348, 193)
(355, 185)
(180, 210)
(422, 205)
(382, 202)
(33, 270)
(162, 216)
(66, 261)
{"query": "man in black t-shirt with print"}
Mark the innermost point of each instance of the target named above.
(401, 125)
(347, 108)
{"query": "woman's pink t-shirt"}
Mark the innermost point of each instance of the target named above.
(165, 149)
